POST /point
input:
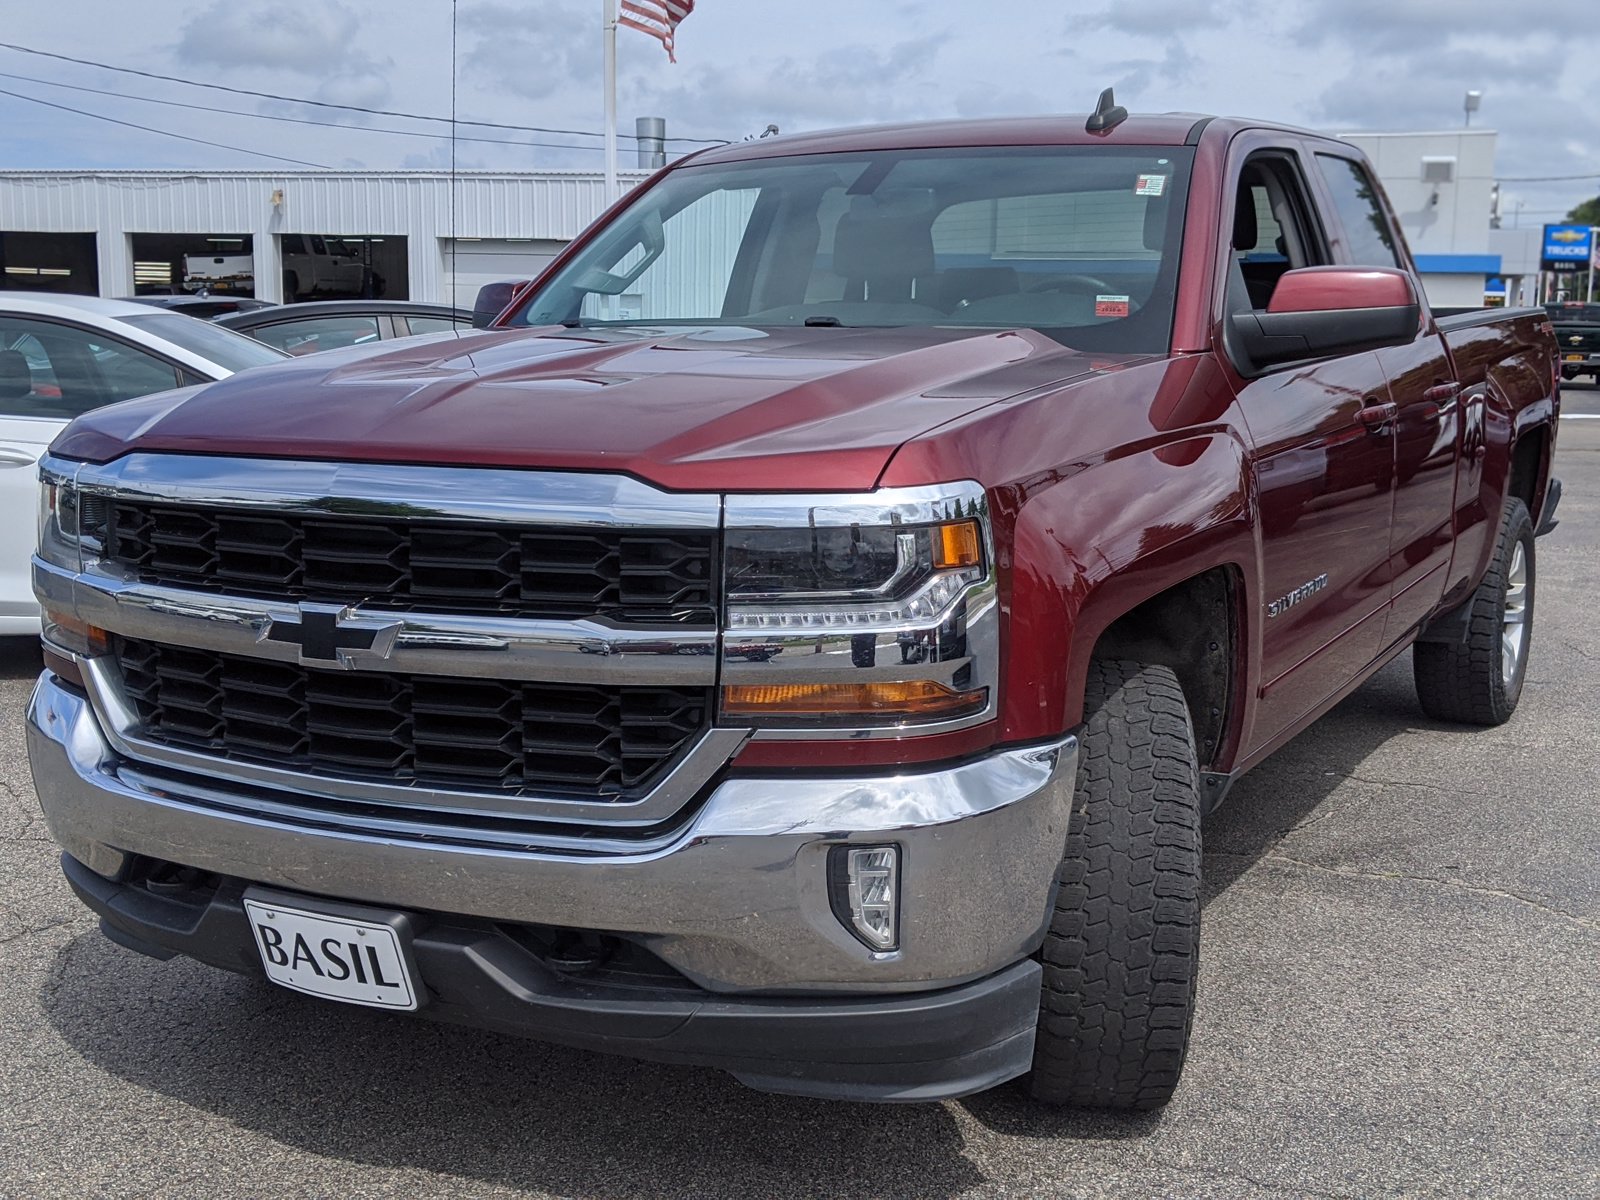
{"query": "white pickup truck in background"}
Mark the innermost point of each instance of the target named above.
(314, 267)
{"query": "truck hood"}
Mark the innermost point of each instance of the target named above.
(708, 408)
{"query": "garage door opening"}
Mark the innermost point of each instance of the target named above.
(49, 262)
(176, 264)
(319, 266)
(473, 262)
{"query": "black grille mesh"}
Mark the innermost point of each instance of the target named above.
(550, 572)
(469, 734)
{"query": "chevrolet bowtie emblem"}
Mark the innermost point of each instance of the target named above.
(324, 634)
(1567, 235)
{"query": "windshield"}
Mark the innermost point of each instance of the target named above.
(1080, 243)
(227, 349)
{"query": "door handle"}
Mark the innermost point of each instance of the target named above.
(1440, 392)
(1377, 417)
(12, 456)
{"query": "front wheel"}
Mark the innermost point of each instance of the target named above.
(1478, 680)
(1121, 955)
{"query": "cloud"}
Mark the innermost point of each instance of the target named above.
(534, 51)
(853, 84)
(320, 40)
(1159, 18)
(1420, 28)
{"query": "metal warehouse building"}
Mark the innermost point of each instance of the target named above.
(418, 235)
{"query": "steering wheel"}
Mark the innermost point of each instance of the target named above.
(1077, 284)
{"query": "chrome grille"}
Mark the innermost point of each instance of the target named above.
(545, 739)
(497, 569)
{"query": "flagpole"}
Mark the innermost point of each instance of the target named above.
(610, 35)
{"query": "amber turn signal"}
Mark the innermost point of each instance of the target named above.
(957, 545)
(73, 633)
(918, 697)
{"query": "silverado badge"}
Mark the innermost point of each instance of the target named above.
(1283, 604)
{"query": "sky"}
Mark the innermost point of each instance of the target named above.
(1336, 65)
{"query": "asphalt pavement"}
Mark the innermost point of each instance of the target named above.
(1399, 996)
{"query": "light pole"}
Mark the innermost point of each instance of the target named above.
(1470, 106)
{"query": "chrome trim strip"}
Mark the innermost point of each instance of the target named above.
(678, 787)
(480, 494)
(458, 644)
(887, 506)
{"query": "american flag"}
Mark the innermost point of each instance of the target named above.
(658, 18)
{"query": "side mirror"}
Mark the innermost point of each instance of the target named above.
(1320, 312)
(493, 298)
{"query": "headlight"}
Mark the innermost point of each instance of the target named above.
(72, 524)
(870, 612)
(58, 522)
(69, 528)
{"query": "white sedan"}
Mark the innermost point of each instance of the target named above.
(64, 355)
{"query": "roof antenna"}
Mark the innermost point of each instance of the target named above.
(1108, 114)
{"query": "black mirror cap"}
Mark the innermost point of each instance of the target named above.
(493, 299)
(1270, 339)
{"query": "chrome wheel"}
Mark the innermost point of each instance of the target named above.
(1514, 617)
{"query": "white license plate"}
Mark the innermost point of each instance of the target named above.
(340, 958)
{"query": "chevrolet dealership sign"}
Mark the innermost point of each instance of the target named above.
(1567, 247)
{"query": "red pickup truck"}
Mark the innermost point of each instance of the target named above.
(805, 634)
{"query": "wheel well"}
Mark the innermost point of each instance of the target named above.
(1190, 628)
(1527, 463)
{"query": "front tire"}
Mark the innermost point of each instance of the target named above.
(1121, 955)
(1478, 681)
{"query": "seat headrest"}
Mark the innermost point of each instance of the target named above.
(16, 378)
(888, 238)
(1244, 218)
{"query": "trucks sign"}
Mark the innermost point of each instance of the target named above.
(1566, 247)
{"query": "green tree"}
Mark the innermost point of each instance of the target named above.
(1587, 213)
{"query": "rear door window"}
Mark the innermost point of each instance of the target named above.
(436, 324)
(59, 371)
(318, 333)
(1368, 240)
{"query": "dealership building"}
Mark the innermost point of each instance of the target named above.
(421, 235)
(428, 236)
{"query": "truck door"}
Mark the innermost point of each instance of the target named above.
(1425, 392)
(1324, 481)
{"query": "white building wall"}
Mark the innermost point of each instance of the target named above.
(1453, 291)
(1444, 218)
(549, 206)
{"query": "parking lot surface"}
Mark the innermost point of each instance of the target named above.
(1400, 995)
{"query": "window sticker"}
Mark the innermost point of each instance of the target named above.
(1110, 306)
(1150, 185)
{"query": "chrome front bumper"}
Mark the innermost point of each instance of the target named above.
(737, 900)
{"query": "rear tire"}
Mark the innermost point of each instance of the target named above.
(1479, 681)
(1121, 954)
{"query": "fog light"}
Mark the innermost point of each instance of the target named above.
(866, 893)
